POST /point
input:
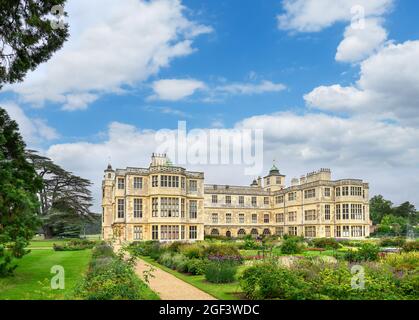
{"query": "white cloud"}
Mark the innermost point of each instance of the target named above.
(112, 47)
(175, 89)
(358, 44)
(388, 87)
(34, 131)
(363, 35)
(352, 148)
(250, 88)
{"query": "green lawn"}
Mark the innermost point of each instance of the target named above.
(45, 244)
(228, 291)
(32, 277)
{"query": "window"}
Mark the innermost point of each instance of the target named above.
(266, 200)
(241, 200)
(193, 185)
(193, 209)
(254, 218)
(327, 192)
(268, 181)
(154, 181)
(345, 212)
(356, 231)
(310, 215)
(154, 207)
(338, 231)
(169, 232)
(215, 232)
(292, 216)
(228, 199)
(182, 208)
(266, 232)
(241, 218)
(121, 208)
(138, 208)
(169, 207)
(121, 183)
(345, 191)
(327, 212)
(182, 183)
(279, 217)
(345, 231)
(327, 231)
(215, 218)
(193, 232)
(356, 191)
(311, 193)
(254, 201)
(266, 218)
(228, 217)
(254, 232)
(241, 233)
(182, 232)
(169, 181)
(279, 199)
(310, 231)
(214, 198)
(278, 180)
(338, 192)
(292, 196)
(338, 212)
(292, 231)
(138, 233)
(356, 212)
(138, 183)
(279, 231)
(155, 232)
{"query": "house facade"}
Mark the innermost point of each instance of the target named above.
(168, 203)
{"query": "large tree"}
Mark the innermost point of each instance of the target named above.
(19, 185)
(379, 207)
(65, 198)
(29, 35)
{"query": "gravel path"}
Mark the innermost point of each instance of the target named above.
(168, 287)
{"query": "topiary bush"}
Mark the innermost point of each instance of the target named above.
(197, 266)
(292, 245)
(325, 243)
(393, 242)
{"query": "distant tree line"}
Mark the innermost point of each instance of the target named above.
(393, 220)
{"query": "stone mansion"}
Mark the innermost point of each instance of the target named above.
(168, 203)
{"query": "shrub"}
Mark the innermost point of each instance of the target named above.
(367, 252)
(325, 243)
(251, 244)
(392, 242)
(222, 249)
(404, 261)
(192, 251)
(179, 262)
(269, 281)
(197, 266)
(152, 249)
(75, 245)
(292, 245)
(220, 271)
(175, 246)
(166, 259)
(110, 277)
(411, 246)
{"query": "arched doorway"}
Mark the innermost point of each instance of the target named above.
(266, 232)
(228, 234)
(254, 232)
(215, 232)
(241, 233)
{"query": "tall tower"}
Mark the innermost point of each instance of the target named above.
(108, 185)
(274, 181)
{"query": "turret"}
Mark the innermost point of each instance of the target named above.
(274, 181)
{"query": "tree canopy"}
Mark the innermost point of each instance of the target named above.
(19, 185)
(27, 36)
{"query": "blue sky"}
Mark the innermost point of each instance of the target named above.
(272, 64)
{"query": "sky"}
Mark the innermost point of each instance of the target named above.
(331, 83)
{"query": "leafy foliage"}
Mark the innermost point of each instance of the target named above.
(367, 252)
(221, 271)
(292, 245)
(325, 243)
(26, 37)
(19, 185)
(75, 245)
